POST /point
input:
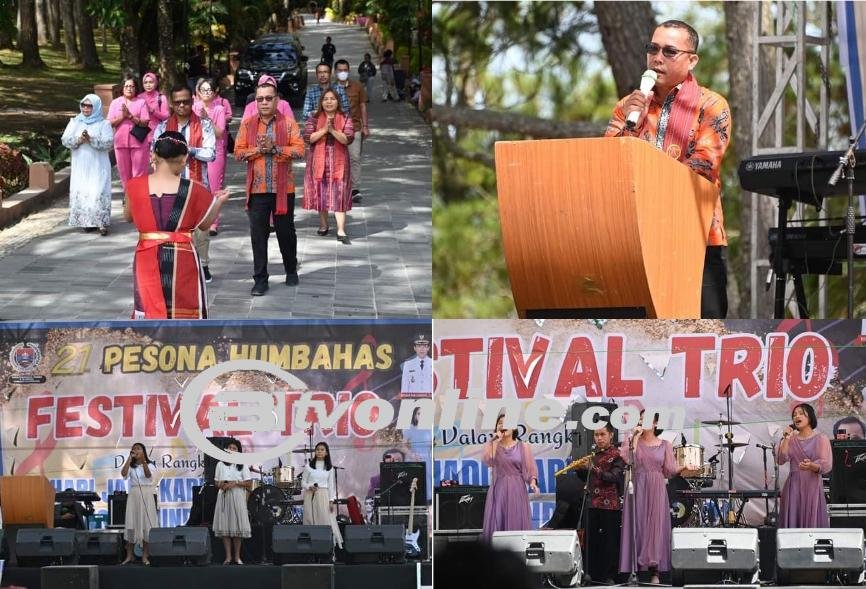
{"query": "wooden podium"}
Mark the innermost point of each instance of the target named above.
(27, 500)
(602, 228)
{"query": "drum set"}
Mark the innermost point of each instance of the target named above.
(272, 498)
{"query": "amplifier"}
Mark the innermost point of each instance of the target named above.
(848, 477)
(707, 555)
(460, 508)
(400, 515)
(805, 555)
(117, 510)
(555, 552)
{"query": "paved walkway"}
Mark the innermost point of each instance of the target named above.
(51, 271)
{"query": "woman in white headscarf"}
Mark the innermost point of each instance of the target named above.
(89, 136)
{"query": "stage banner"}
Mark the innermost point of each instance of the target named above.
(74, 397)
(690, 371)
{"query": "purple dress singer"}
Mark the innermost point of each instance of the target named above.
(803, 504)
(653, 465)
(507, 504)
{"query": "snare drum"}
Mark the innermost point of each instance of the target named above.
(690, 454)
(284, 476)
(708, 471)
(255, 484)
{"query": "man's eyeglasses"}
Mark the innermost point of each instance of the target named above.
(182, 102)
(205, 90)
(669, 52)
(265, 98)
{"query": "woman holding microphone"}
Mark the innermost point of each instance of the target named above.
(138, 470)
(319, 484)
(808, 451)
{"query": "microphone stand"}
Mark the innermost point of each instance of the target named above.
(399, 481)
(583, 507)
(847, 163)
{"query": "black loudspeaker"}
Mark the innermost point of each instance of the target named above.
(45, 547)
(99, 547)
(71, 577)
(203, 505)
(374, 544)
(209, 462)
(581, 437)
(767, 549)
(308, 576)
(713, 555)
(400, 516)
(459, 508)
(117, 509)
(179, 546)
(396, 478)
(819, 556)
(303, 544)
(848, 477)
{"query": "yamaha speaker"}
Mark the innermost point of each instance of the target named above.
(374, 544)
(71, 577)
(459, 508)
(303, 544)
(395, 478)
(99, 547)
(45, 547)
(814, 555)
(549, 552)
(179, 546)
(400, 515)
(209, 462)
(848, 477)
(712, 555)
(581, 437)
(308, 576)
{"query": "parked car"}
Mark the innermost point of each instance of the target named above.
(280, 56)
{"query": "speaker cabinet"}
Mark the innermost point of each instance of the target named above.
(848, 477)
(46, 546)
(811, 555)
(581, 437)
(395, 479)
(71, 577)
(117, 510)
(308, 576)
(400, 516)
(374, 544)
(102, 547)
(303, 544)
(708, 555)
(179, 546)
(552, 552)
(459, 508)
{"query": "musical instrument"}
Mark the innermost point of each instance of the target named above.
(818, 250)
(303, 451)
(284, 476)
(731, 445)
(411, 541)
(720, 422)
(356, 516)
(255, 484)
(271, 505)
(801, 177)
(82, 496)
(574, 464)
(681, 507)
(726, 494)
(690, 454)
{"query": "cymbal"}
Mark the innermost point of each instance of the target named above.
(303, 451)
(731, 445)
(721, 422)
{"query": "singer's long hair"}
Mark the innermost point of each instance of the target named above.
(235, 442)
(810, 413)
(134, 461)
(327, 456)
(515, 433)
(657, 431)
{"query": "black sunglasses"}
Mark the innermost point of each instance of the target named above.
(669, 52)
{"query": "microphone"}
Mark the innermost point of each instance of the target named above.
(792, 426)
(764, 447)
(647, 82)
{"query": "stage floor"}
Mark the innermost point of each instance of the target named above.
(356, 576)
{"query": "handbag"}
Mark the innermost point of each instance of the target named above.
(140, 133)
(230, 142)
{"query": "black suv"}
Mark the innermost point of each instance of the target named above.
(280, 56)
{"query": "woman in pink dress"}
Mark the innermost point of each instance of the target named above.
(328, 181)
(209, 106)
(125, 113)
(157, 104)
(809, 453)
(513, 468)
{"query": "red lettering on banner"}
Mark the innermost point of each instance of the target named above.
(777, 344)
(739, 361)
(617, 385)
(807, 381)
(67, 414)
(526, 373)
(579, 369)
(201, 416)
(495, 354)
(343, 422)
(170, 415)
(693, 346)
(461, 349)
(96, 411)
(128, 404)
(150, 416)
(34, 417)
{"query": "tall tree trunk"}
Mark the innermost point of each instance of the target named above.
(167, 68)
(89, 56)
(54, 21)
(27, 34)
(130, 55)
(41, 22)
(68, 16)
(625, 28)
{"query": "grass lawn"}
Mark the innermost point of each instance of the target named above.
(42, 101)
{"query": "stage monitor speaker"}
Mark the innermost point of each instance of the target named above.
(400, 515)
(395, 479)
(117, 510)
(303, 544)
(705, 555)
(99, 547)
(374, 544)
(308, 576)
(549, 552)
(819, 555)
(581, 437)
(459, 508)
(848, 477)
(70, 577)
(45, 546)
(179, 546)
(209, 462)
